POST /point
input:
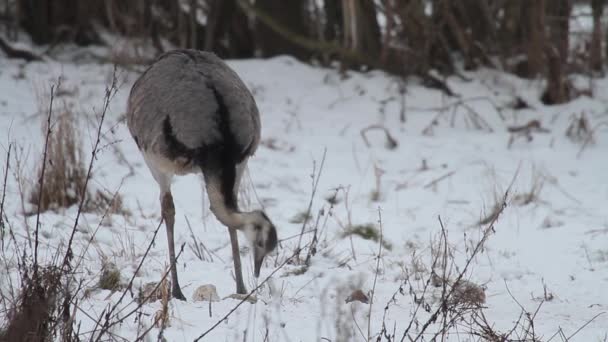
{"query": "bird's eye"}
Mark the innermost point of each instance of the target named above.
(260, 244)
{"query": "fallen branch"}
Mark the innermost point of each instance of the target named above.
(437, 180)
(15, 53)
(391, 143)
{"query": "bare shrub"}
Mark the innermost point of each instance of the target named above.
(367, 232)
(161, 317)
(32, 317)
(579, 129)
(531, 195)
(65, 175)
(110, 277)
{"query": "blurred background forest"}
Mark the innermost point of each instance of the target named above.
(426, 38)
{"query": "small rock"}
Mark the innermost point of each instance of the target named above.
(205, 293)
(359, 296)
(251, 299)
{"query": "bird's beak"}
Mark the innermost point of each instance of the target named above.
(258, 258)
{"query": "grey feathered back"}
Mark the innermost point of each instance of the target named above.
(185, 84)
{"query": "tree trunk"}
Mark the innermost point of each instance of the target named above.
(558, 88)
(36, 21)
(535, 38)
(559, 26)
(596, 60)
(333, 20)
(557, 50)
(290, 13)
(193, 24)
(48, 21)
(361, 29)
(227, 31)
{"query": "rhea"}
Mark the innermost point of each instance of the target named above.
(189, 112)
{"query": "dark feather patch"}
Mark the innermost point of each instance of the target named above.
(175, 148)
(272, 241)
(218, 161)
(137, 142)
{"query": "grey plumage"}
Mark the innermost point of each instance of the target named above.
(186, 83)
(189, 112)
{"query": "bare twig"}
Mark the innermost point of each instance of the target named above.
(8, 160)
(371, 297)
(41, 180)
(315, 183)
(110, 92)
(486, 234)
(589, 138)
(437, 180)
(391, 143)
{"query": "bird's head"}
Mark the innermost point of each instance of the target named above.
(260, 231)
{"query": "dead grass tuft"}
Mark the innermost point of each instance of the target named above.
(467, 294)
(579, 129)
(110, 277)
(367, 232)
(161, 317)
(65, 174)
(531, 195)
(33, 315)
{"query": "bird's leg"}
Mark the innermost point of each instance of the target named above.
(240, 286)
(236, 256)
(168, 212)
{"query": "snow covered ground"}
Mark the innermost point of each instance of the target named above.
(550, 247)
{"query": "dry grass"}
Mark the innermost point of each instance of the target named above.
(579, 129)
(161, 317)
(367, 232)
(34, 315)
(49, 292)
(65, 174)
(110, 277)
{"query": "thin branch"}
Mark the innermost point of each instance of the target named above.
(371, 297)
(315, 184)
(8, 160)
(110, 92)
(41, 180)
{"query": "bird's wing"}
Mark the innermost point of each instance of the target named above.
(198, 99)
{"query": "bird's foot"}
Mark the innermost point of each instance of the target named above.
(177, 293)
(241, 289)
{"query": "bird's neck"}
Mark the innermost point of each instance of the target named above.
(225, 209)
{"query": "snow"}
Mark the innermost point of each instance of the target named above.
(558, 241)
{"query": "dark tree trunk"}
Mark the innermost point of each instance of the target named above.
(557, 49)
(50, 20)
(292, 14)
(558, 12)
(333, 21)
(228, 32)
(535, 38)
(36, 19)
(361, 29)
(558, 88)
(596, 60)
